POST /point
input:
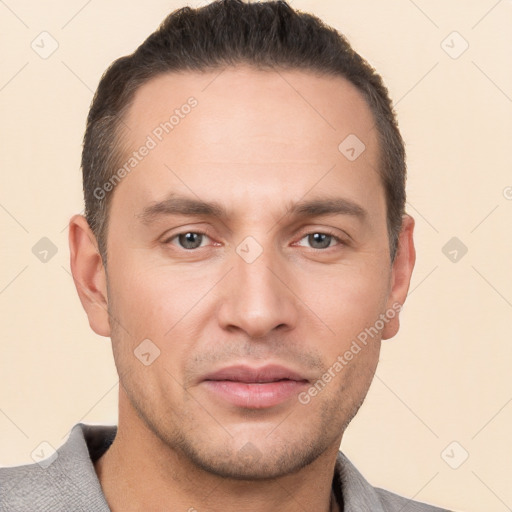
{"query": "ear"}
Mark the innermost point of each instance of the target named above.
(400, 274)
(89, 274)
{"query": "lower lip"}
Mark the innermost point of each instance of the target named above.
(255, 395)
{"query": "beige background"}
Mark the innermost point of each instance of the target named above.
(445, 377)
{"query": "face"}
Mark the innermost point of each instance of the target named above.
(254, 306)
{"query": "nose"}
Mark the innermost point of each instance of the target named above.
(258, 297)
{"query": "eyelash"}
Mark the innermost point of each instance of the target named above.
(327, 232)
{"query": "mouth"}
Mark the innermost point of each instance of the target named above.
(254, 388)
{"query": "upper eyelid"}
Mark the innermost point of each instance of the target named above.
(184, 232)
(340, 239)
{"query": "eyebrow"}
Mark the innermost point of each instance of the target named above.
(187, 206)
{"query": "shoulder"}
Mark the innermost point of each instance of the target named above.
(392, 502)
(30, 485)
(359, 494)
(66, 480)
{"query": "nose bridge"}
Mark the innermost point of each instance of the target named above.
(258, 300)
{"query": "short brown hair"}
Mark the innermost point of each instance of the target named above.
(266, 35)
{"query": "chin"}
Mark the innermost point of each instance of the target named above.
(251, 463)
(260, 458)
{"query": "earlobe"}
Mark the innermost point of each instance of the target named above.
(400, 275)
(89, 274)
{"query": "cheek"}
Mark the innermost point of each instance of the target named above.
(160, 304)
(144, 341)
(149, 300)
(347, 299)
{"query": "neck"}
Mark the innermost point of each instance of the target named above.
(140, 472)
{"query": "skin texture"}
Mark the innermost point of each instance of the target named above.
(256, 142)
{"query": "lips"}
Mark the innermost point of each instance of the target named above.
(249, 375)
(254, 388)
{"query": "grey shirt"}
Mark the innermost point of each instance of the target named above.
(67, 481)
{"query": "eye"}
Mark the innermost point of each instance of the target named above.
(188, 240)
(191, 240)
(320, 240)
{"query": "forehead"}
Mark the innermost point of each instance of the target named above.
(255, 102)
(251, 132)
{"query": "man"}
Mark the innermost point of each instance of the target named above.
(246, 249)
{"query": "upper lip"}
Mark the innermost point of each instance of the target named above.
(248, 374)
